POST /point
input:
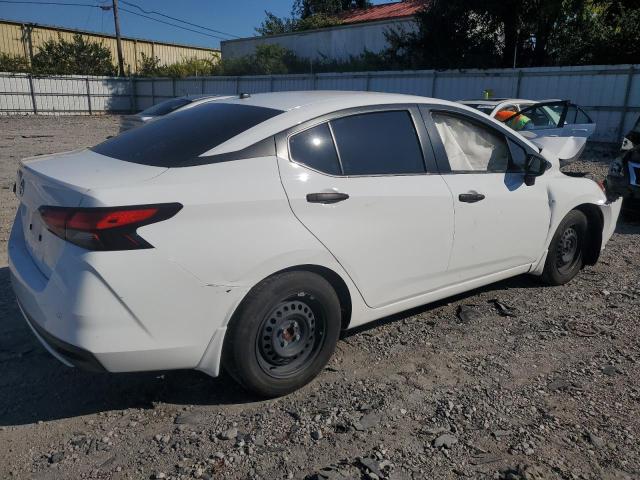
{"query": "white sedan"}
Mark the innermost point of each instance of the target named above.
(247, 233)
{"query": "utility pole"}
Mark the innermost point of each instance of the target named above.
(116, 20)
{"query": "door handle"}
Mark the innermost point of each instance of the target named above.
(326, 197)
(471, 197)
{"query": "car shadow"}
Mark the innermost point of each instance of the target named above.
(521, 281)
(36, 387)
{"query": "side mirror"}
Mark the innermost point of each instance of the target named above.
(534, 167)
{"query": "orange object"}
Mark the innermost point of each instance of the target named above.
(503, 115)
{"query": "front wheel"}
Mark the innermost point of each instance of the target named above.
(283, 333)
(566, 250)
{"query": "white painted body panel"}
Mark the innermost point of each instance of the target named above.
(503, 231)
(399, 242)
(393, 236)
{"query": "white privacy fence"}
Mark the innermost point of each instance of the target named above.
(610, 94)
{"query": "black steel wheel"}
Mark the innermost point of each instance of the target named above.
(566, 250)
(283, 333)
(290, 336)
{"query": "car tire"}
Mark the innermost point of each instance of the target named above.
(283, 333)
(565, 257)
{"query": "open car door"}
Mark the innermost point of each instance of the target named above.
(557, 125)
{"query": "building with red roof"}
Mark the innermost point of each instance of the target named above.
(359, 30)
(384, 11)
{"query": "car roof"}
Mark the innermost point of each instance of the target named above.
(199, 96)
(330, 99)
(495, 101)
(302, 106)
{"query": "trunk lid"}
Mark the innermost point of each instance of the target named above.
(62, 180)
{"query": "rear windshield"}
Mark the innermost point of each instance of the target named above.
(165, 107)
(178, 139)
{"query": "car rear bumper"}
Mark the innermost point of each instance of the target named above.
(68, 354)
(121, 311)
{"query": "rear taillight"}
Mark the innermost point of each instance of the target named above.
(112, 228)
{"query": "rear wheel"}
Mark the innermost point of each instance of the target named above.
(283, 333)
(566, 250)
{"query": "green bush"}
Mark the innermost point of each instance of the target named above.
(76, 57)
(13, 63)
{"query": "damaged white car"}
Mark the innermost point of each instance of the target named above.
(246, 233)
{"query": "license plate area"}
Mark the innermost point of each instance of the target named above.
(33, 229)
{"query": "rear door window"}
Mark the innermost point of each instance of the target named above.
(315, 148)
(177, 140)
(378, 143)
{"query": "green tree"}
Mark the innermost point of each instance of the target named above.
(76, 57)
(267, 60)
(308, 15)
(308, 8)
(148, 66)
(13, 63)
(597, 32)
(274, 25)
(449, 34)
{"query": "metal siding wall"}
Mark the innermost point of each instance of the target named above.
(11, 39)
(11, 42)
(600, 90)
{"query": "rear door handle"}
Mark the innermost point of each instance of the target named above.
(471, 197)
(326, 197)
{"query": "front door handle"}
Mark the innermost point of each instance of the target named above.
(471, 197)
(326, 197)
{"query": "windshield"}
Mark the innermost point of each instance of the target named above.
(163, 108)
(178, 140)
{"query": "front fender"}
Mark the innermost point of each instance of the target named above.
(568, 193)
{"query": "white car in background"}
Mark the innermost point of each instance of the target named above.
(555, 119)
(494, 105)
(164, 108)
(247, 233)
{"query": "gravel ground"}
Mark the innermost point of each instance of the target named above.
(549, 392)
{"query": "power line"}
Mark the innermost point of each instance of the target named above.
(107, 8)
(172, 24)
(57, 3)
(153, 12)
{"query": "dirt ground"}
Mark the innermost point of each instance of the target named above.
(551, 392)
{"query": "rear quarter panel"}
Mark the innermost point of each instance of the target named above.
(236, 227)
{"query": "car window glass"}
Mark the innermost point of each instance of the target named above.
(177, 140)
(378, 143)
(536, 118)
(582, 117)
(165, 107)
(315, 148)
(470, 146)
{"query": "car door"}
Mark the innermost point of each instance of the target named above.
(552, 119)
(500, 223)
(364, 182)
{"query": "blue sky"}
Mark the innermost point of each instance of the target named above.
(237, 17)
